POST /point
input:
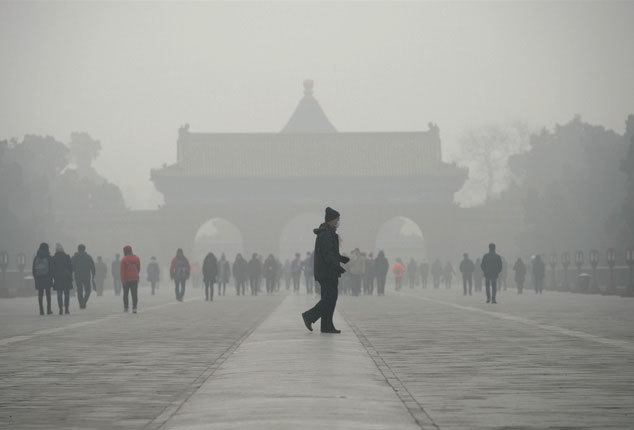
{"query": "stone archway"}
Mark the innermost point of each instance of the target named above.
(401, 237)
(297, 234)
(217, 235)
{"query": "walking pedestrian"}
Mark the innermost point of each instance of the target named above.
(398, 269)
(520, 274)
(269, 273)
(466, 269)
(130, 268)
(179, 272)
(101, 272)
(224, 274)
(115, 271)
(539, 273)
(255, 271)
(436, 272)
(42, 271)
(491, 267)
(477, 276)
(62, 278)
(424, 273)
(84, 271)
(327, 270)
(153, 274)
(210, 274)
(381, 267)
(296, 272)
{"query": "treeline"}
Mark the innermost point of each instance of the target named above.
(42, 180)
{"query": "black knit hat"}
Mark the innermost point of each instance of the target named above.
(331, 214)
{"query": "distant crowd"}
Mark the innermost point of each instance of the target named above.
(363, 272)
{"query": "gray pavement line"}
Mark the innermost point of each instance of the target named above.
(416, 410)
(20, 338)
(170, 410)
(628, 346)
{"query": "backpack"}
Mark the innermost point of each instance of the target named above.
(181, 271)
(41, 267)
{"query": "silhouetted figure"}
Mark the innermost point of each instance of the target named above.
(296, 272)
(286, 274)
(466, 269)
(84, 271)
(115, 271)
(357, 270)
(327, 270)
(240, 274)
(491, 267)
(42, 270)
(424, 273)
(130, 269)
(255, 271)
(153, 274)
(398, 270)
(308, 272)
(478, 276)
(381, 267)
(210, 274)
(412, 270)
(269, 273)
(369, 275)
(520, 274)
(447, 274)
(278, 274)
(62, 278)
(179, 272)
(101, 271)
(224, 274)
(503, 275)
(436, 272)
(539, 273)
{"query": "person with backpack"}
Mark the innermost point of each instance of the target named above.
(62, 278)
(179, 272)
(101, 271)
(153, 274)
(84, 271)
(210, 275)
(130, 268)
(42, 271)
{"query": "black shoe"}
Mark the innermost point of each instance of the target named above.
(41, 312)
(307, 322)
(488, 301)
(49, 312)
(61, 311)
(67, 312)
(494, 302)
(333, 330)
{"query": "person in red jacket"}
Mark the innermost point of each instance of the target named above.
(130, 268)
(398, 270)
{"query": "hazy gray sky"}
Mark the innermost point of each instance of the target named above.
(131, 74)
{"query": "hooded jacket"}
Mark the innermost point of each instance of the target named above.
(326, 258)
(83, 266)
(210, 268)
(130, 266)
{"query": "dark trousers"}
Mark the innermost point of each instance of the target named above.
(356, 284)
(99, 287)
(270, 284)
(423, 279)
(40, 299)
(309, 283)
(132, 287)
(180, 292)
(209, 288)
(117, 286)
(325, 308)
(153, 285)
(491, 288)
(242, 286)
(296, 283)
(380, 285)
(539, 285)
(467, 280)
(83, 291)
(63, 299)
(253, 282)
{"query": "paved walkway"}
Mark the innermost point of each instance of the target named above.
(284, 378)
(417, 359)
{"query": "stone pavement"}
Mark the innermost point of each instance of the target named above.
(414, 359)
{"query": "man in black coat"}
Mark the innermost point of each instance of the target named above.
(84, 271)
(491, 267)
(327, 270)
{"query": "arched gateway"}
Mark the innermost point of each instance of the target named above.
(261, 181)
